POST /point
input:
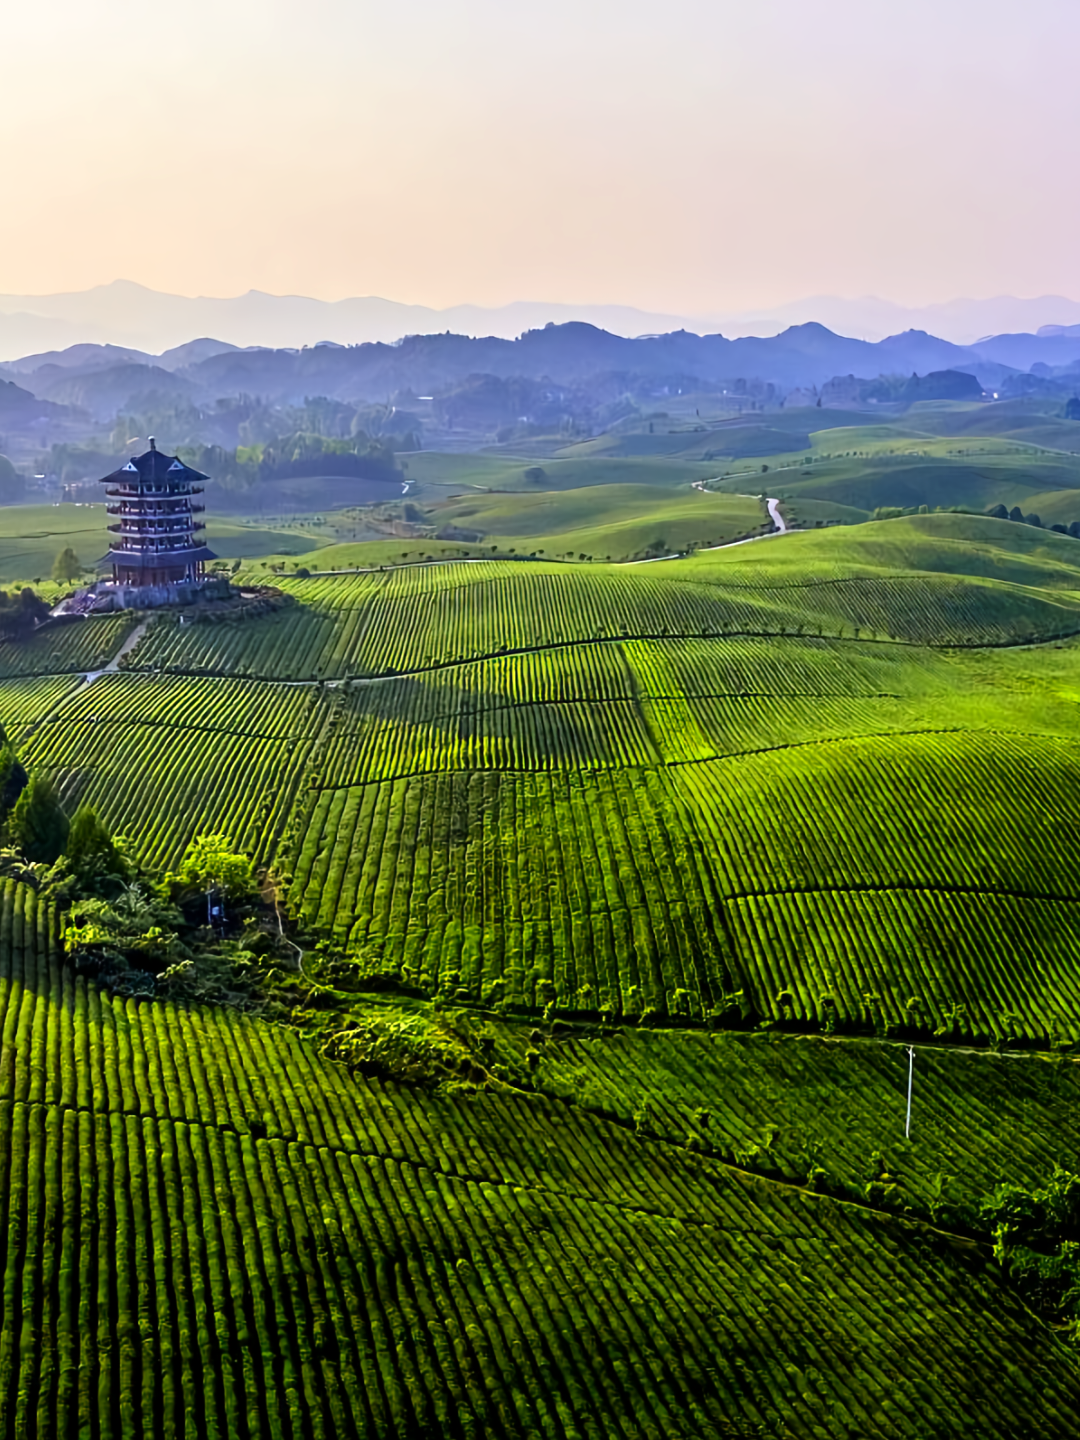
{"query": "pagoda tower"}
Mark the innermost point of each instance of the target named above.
(151, 504)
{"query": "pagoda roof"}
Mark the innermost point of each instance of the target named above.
(153, 466)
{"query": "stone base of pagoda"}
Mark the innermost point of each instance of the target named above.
(107, 595)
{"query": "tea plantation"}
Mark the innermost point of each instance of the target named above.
(207, 1229)
(684, 855)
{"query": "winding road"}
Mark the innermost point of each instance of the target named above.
(775, 515)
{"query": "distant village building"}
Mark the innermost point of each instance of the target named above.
(154, 527)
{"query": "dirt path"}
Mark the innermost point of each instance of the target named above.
(125, 649)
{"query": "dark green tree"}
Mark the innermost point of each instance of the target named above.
(998, 513)
(211, 861)
(1016, 514)
(12, 775)
(1072, 409)
(38, 825)
(66, 567)
(20, 613)
(92, 855)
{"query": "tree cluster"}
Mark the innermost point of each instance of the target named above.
(134, 933)
(12, 484)
(21, 611)
(999, 512)
(900, 512)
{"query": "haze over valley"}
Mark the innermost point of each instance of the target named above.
(539, 837)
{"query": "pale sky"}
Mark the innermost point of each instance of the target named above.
(690, 156)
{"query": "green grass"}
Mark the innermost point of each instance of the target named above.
(1035, 422)
(553, 512)
(31, 537)
(599, 522)
(777, 433)
(962, 546)
(566, 471)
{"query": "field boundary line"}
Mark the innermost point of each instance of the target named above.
(738, 1175)
(651, 636)
(661, 766)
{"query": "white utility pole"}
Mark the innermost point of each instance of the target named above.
(910, 1081)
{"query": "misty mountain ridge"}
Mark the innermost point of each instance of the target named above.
(133, 317)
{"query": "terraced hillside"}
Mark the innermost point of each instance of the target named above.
(208, 1230)
(638, 791)
(599, 828)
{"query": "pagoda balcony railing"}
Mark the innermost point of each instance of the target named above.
(136, 490)
(155, 507)
(159, 527)
(155, 548)
(135, 532)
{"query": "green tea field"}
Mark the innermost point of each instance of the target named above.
(658, 790)
(680, 857)
(207, 1229)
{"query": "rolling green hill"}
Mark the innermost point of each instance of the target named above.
(633, 790)
(573, 469)
(673, 861)
(603, 522)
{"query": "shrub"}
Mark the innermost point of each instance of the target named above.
(210, 860)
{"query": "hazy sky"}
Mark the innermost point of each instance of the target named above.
(689, 156)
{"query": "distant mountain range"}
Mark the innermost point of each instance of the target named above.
(133, 317)
(105, 379)
(453, 391)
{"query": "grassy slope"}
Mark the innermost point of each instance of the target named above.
(209, 1229)
(553, 512)
(566, 472)
(606, 522)
(1035, 422)
(957, 545)
(31, 536)
(775, 433)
